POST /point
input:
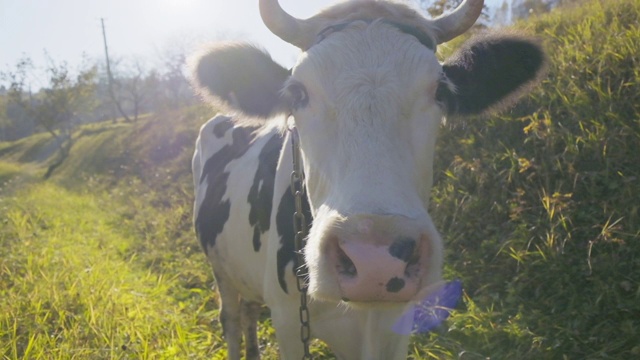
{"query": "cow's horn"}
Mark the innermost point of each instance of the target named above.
(288, 28)
(460, 20)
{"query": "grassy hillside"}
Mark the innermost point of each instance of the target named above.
(77, 283)
(100, 261)
(538, 207)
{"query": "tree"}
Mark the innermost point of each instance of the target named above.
(57, 108)
(5, 122)
(436, 8)
(127, 87)
(134, 87)
(522, 9)
(171, 60)
(174, 83)
(512, 10)
(503, 14)
(153, 91)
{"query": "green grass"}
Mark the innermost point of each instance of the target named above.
(74, 285)
(8, 171)
(101, 262)
(538, 208)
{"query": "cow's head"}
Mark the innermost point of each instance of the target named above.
(368, 95)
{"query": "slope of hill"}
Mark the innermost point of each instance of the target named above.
(100, 260)
(538, 207)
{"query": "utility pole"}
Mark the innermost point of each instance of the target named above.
(110, 77)
(106, 52)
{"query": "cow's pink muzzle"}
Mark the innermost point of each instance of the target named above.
(378, 258)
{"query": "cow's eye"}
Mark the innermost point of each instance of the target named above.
(297, 94)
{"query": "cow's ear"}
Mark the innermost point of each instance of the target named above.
(239, 76)
(490, 72)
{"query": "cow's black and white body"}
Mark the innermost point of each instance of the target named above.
(367, 97)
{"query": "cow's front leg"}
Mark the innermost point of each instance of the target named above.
(230, 316)
(286, 321)
(249, 319)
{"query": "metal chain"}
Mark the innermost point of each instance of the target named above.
(300, 228)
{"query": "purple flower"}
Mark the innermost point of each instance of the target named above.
(430, 312)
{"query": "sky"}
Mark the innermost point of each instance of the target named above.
(143, 29)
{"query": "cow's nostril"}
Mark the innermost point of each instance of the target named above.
(404, 248)
(345, 266)
(414, 258)
(413, 262)
(412, 270)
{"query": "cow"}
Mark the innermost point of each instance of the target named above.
(364, 103)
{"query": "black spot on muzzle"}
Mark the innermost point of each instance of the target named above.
(395, 284)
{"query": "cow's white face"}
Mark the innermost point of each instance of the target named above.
(367, 119)
(364, 103)
(367, 96)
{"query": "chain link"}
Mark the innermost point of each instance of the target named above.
(300, 229)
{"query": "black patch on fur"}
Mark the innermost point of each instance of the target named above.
(284, 225)
(220, 129)
(403, 248)
(261, 193)
(214, 212)
(243, 76)
(395, 284)
(488, 71)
